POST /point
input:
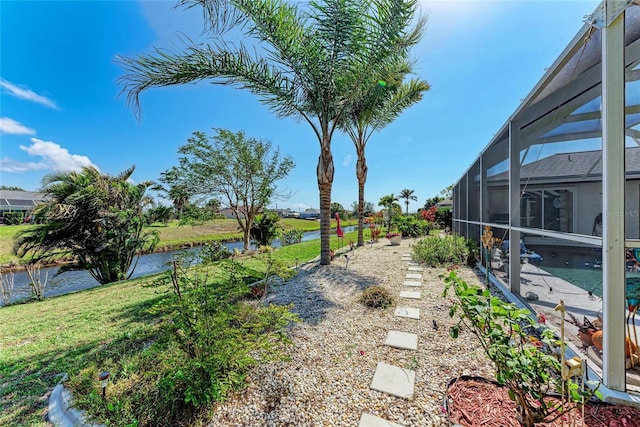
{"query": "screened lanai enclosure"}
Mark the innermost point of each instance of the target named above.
(561, 180)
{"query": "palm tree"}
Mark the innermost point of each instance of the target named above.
(380, 106)
(389, 202)
(95, 219)
(311, 61)
(407, 195)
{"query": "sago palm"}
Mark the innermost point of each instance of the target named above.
(309, 61)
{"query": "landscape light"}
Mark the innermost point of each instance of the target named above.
(104, 380)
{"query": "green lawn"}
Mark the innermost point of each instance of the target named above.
(42, 340)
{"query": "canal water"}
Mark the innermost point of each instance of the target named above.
(73, 281)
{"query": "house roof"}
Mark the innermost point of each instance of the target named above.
(19, 200)
(570, 167)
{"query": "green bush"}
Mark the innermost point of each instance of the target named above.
(13, 218)
(265, 229)
(376, 297)
(521, 350)
(410, 226)
(441, 251)
(291, 236)
(210, 336)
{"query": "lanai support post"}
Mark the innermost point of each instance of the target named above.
(613, 180)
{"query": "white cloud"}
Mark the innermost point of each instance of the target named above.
(8, 125)
(347, 160)
(27, 94)
(53, 157)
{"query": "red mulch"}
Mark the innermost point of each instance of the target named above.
(476, 402)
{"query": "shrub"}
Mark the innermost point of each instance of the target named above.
(265, 228)
(291, 236)
(410, 226)
(441, 251)
(13, 218)
(376, 297)
(208, 336)
(521, 350)
(212, 252)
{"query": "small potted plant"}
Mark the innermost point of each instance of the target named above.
(394, 238)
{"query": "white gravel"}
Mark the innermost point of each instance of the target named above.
(339, 342)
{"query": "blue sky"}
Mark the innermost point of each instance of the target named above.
(60, 107)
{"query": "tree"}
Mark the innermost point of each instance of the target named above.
(447, 192)
(310, 61)
(337, 207)
(407, 195)
(11, 188)
(178, 193)
(390, 203)
(432, 201)
(239, 170)
(379, 106)
(95, 219)
(368, 208)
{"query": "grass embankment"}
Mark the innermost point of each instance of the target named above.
(108, 327)
(172, 236)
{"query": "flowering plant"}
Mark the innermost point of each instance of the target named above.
(390, 235)
(429, 214)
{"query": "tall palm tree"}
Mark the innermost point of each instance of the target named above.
(380, 106)
(310, 61)
(407, 195)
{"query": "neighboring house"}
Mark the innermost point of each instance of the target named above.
(447, 203)
(19, 201)
(310, 214)
(563, 192)
(285, 213)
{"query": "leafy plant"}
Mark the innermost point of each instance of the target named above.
(410, 226)
(13, 218)
(376, 297)
(291, 236)
(529, 371)
(441, 251)
(96, 219)
(265, 228)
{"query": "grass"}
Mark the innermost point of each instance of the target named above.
(40, 341)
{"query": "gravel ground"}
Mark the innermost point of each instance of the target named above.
(339, 342)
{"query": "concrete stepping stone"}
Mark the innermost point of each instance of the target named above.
(413, 283)
(414, 268)
(402, 340)
(368, 420)
(413, 276)
(410, 312)
(410, 294)
(395, 381)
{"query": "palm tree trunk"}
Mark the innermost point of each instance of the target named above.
(407, 203)
(361, 173)
(325, 182)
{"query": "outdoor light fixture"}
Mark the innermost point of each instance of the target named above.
(104, 380)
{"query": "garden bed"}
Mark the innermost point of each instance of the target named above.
(476, 401)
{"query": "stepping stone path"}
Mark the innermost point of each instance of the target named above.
(391, 379)
(410, 294)
(368, 420)
(402, 340)
(412, 283)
